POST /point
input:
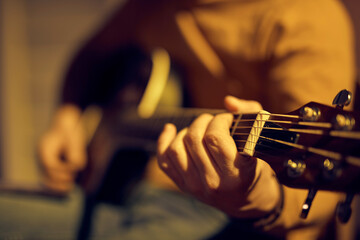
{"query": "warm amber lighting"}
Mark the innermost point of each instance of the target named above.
(157, 81)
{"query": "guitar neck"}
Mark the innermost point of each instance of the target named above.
(143, 132)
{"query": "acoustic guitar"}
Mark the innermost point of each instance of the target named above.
(316, 147)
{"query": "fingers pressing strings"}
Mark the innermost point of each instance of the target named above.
(236, 105)
(221, 145)
(176, 162)
(196, 148)
(166, 137)
(168, 154)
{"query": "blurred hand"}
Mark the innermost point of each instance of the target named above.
(203, 160)
(62, 149)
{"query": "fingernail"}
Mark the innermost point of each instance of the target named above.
(166, 126)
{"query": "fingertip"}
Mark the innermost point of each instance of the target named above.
(169, 127)
(234, 104)
(230, 98)
(230, 103)
(166, 136)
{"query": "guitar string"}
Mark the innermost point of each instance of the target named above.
(332, 155)
(354, 161)
(309, 124)
(294, 130)
(341, 134)
(351, 159)
(333, 133)
(299, 146)
(325, 153)
(197, 112)
(262, 145)
(262, 152)
(296, 123)
(269, 114)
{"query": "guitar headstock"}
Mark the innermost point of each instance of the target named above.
(316, 147)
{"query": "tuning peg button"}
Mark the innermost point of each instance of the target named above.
(343, 98)
(344, 122)
(343, 209)
(311, 114)
(295, 168)
(331, 170)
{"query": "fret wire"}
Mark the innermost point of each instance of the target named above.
(236, 122)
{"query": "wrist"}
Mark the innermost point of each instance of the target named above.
(265, 200)
(264, 196)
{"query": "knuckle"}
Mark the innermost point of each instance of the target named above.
(211, 139)
(194, 188)
(172, 152)
(163, 164)
(192, 137)
(212, 186)
(206, 116)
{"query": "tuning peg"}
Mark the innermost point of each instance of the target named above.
(295, 168)
(307, 204)
(343, 209)
(343, 98)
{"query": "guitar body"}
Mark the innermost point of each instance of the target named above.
(123, 141)
(104, 179)
(113, 166)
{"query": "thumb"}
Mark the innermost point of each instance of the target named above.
(234, 104)
(75, 153)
